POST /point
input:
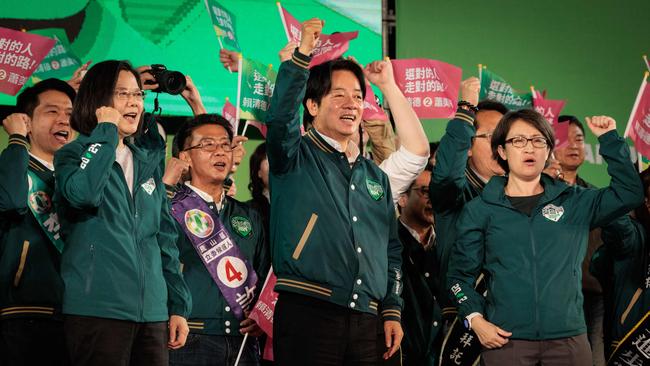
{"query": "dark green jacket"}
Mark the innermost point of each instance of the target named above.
(120, 260)
(620, 265)
(421, 317)
(333, 229)
(533, 264)
(30, 285)
(210, 311)
(453, 184)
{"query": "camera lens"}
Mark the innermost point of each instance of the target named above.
(173, 82)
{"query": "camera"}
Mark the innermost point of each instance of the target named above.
(170, 82)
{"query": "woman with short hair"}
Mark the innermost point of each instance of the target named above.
(528, 233)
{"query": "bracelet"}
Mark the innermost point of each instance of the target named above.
(464, 103)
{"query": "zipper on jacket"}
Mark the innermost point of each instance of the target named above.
(535, 289)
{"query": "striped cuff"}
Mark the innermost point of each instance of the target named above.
(465, 115)
(171, 191)
(392, 314)
(17, 139)
(300, 59)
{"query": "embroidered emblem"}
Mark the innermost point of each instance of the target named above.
(241, 225)
(552, 212)
(375, 189)
(149, 186)
(199, 223)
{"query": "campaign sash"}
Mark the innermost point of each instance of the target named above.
(228, 267)
(39, 201)
(634, 349)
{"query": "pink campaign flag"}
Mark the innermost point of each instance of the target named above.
(20, 55)
(430, 86)
(551, 110)
(371, 110)
(329, 46)
(638, 127)
(229, 112)
(263, 311)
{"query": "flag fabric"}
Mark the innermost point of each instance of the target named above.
(256, 88)
(430, 86)
(223, 22)
(60, 62)
(638, 126)
(259, 125)
(328, 47)
(229, 112)
(551, 110)
(371, 110)
(495, 88)
(263, 312)
(20, 55)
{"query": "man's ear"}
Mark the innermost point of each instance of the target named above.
(403, 200)
(312, 107)
(185, 156)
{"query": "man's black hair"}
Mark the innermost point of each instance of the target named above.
(573, 120)
(28, 99)
(185, 132)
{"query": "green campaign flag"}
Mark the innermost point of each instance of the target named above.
(224, 23)
(61, 62)
(256, 88)
(495, 88)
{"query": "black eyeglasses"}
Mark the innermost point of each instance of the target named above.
(212, 146)
(520, 142)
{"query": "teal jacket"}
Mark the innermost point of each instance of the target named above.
(333, 230)
(621, 265)
(210, 311)
(120, 259)
(30, 285)
(453, 184)
(533, 264)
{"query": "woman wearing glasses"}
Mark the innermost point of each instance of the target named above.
(125, 300)
(528, 233)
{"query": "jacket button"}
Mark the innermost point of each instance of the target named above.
(355, 296)
(359, 281)
(435, 324)
(352, 187)
(227, 323)
(227, 308)
(358, 249)
(426, 274)
(352, 304)
(228, 330)
(354, 218)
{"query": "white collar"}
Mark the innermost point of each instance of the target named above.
(430, 240)
(45, 163)
(352, 152)
(206, 197)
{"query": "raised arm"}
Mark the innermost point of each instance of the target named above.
(14, 161)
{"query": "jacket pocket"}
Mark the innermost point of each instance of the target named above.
(305, 236)
(21, 264)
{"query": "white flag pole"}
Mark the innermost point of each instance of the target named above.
(239, 74)
(645, 58)
(243, 132)
(241, 349)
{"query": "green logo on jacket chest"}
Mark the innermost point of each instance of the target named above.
(552, 212)
(241, 225)
(375, 189)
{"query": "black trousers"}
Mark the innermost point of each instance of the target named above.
(26, 342)
(307, 331)
(109, 342)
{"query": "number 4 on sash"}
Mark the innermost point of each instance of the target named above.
(231, 272)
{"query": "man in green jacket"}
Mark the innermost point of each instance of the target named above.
(421, 318)
(464, 164)
(31, 289)
(216, 333)
(334, 241)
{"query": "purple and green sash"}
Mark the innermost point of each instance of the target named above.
(39, 201)
(228, 267)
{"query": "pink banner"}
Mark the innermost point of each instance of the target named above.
(229, 112)
(638, 128)
(328, 47)
(551, 110)
(20, 55)
(371, 110)
(430, 86)
(263, 311)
